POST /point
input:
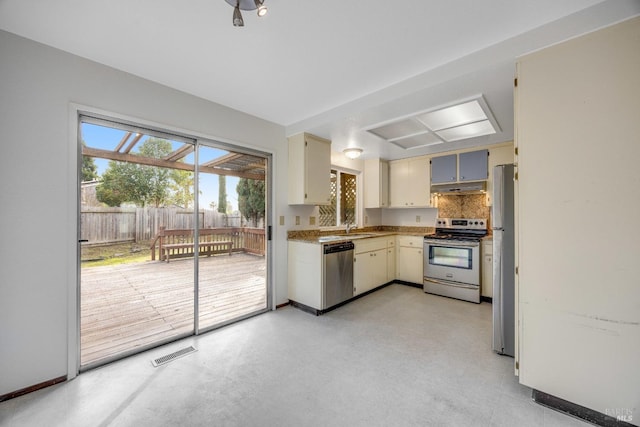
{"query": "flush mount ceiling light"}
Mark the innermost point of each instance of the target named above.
(352, 153)
(467, 119)
(239, 5)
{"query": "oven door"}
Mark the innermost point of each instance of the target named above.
(453, 261)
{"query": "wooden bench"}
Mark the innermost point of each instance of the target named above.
(210, 248)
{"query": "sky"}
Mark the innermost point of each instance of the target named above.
(107, 138)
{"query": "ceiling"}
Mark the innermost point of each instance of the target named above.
(330, 67)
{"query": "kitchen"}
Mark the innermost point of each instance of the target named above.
(415, 222)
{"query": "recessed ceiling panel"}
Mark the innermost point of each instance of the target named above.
(467, 131)
(456, 115)
(399, 129)
(417, 141)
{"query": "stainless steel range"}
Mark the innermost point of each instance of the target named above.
(452, 258)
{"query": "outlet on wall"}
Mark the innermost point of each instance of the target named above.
(312, 220)
(418, 218)
(297, 219)
(281, 219)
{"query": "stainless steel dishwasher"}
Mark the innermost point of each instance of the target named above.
(337, 283)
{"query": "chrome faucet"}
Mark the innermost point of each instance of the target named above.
(350, 227)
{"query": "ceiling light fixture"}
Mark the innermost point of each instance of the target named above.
(470, 118)
(239, 5)
(352, 153)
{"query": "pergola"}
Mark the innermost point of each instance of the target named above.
(232, 164)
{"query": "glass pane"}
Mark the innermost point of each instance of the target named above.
(232, 266)
(450, 257)
(134, 204)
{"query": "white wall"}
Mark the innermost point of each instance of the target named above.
(578, 139)
(38, 86)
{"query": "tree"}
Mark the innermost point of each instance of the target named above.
(181, 187)
(139, 184)
(89, 168)
(222, 194)
(251, 201)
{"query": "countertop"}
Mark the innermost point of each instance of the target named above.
(336, 236)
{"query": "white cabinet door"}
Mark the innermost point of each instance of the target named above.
(418, 185)
(398, 178)
(370, 270)
(409, 183)
(309, 170)
(391, 259)
(409, 264)
(487, 269)
(376, 183)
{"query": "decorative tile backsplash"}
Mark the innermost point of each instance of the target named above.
(465, 206)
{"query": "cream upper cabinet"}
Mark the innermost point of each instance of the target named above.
(497, 156)
(409, 183)
(309, 170)
(376, 183)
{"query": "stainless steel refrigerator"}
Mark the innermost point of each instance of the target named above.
(503, 226)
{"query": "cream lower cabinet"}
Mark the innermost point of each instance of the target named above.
(370, 264)
(305, 273)
(487, 269)
(391, 258)
(409, 259)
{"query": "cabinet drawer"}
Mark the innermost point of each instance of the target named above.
(410, 241)
(370, 244)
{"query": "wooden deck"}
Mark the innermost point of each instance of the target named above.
(132, 305)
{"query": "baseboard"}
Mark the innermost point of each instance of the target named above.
(486, 299)
(284, 304)
(413, 285)
(32, 388)
(617, 419)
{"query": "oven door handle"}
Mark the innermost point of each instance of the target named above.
(455, 284)
(450, 243)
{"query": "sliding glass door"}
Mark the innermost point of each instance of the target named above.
(156, 262)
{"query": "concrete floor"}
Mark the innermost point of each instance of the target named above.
(397, 357)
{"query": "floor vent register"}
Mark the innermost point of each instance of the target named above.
(173, 356)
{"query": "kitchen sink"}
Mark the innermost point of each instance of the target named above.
(350, 236)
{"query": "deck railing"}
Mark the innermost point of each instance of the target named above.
(244, 239)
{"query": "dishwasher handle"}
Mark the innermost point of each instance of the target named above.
(338, 247)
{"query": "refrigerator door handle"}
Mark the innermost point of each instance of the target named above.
(497, 304)
(498, 197)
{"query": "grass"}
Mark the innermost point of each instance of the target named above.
(115, 254)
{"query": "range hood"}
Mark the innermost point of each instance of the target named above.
(479, 187)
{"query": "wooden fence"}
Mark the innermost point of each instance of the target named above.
(112, 225)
